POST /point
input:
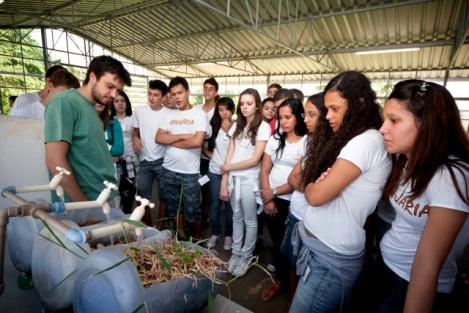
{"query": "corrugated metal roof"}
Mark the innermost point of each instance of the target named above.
(233, 38)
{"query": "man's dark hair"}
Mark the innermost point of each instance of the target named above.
(178, 80)
(283, 93)
(274, 85)
(12, 98)
(107, 64)
(212, 81)
(64, 78)
(298, 94)
(52, 69)
(158, 85)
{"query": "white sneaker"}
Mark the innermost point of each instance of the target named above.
(233, 262)
(242, 268)
(228, 243)
(212, 242)
(271, 268)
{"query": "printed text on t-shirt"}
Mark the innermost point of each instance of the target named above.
(415, 209)
(184, 121)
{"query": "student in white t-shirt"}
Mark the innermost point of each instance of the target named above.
(217, 148)
(281, 153)
(428, 188)
(298, 204)
(183, 133)
(148, 119)
(346, 166)
(241, 177)
(127, 165)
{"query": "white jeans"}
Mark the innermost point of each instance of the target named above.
(243, 203)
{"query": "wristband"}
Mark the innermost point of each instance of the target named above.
(274, 192)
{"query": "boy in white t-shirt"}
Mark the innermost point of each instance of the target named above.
(183, 133)
(146, 122)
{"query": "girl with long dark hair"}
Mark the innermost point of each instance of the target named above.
(218, 142)
(281, 153)
(428, 188)
(127, 166)
(346, 166)
(241, 177)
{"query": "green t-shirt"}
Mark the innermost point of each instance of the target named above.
(70, 117)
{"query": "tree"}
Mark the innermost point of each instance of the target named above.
(21, 64)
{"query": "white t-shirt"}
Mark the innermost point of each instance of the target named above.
(283, 164)
(399, 244)
(244, 150)
(148, 121)
(339, 222)
(28, 105)
(298, 204)
(219, 152)
(186, 161)
(208, 133)
(127, 125)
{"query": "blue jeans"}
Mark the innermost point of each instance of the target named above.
(286, 246)
(172, 184)
(147, 172)
(215, 207)
(319, 290)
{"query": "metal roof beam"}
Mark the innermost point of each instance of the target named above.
(263, 55)
(337, 12)
(461, 35)
(463, 32)
(242, 23)
(124, 11)
(384, 71)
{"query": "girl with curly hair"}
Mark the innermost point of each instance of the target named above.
(346, 166)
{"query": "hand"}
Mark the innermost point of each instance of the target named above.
(224, 194)
(270, 209)
(137, 145)
(266, 195)
(323, 175)
(224, 168)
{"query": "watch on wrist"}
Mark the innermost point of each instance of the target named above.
(274, 192)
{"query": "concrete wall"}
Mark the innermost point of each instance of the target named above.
(22, 156)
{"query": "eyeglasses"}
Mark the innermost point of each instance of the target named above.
(310, 115)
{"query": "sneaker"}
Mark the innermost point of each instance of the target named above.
(242, 268)
(233, 263)
(212, 242)
(228, 243)
(271, 268)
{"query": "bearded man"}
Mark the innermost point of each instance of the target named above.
(74, 135)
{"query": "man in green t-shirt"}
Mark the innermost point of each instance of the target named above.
(74, 135)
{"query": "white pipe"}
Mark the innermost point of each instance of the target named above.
(100, 202)
(139, 212)
(109, 230)
(52, 185)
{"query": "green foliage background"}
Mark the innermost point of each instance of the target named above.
(13, 56)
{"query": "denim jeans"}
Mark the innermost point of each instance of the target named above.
(319, 290)
(286, 246)
(215, 207)
(276, 227)
(172, 185)
(243, 203)
(396, 291)
(147, 172)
